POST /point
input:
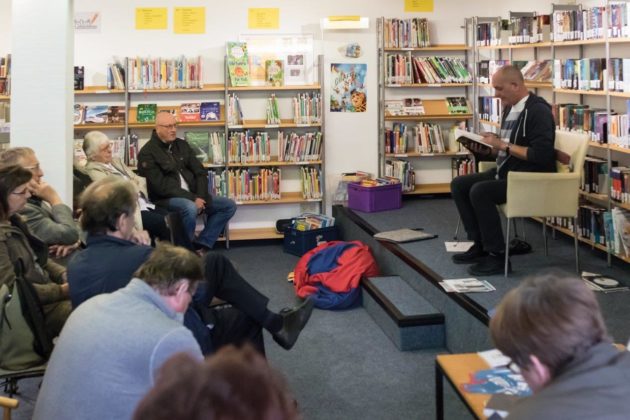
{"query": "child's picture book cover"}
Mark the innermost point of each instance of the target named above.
(146, 113)
(190, 112)
(274, 72)
(210, 111)
(238, 63)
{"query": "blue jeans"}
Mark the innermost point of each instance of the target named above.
(219, 213)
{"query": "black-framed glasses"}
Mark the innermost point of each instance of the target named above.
(168, 127)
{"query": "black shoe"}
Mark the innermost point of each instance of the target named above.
(293, 322)
(519, 247)
(474, 254)
(490, 265)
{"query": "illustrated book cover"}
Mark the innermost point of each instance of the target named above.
(146, 113)
(190, 112)
(274, 72)
(210, 111)
(238, 63)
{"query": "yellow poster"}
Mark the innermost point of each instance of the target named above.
(190, 20)
(268, 18)
(151, 18)
(418, 5)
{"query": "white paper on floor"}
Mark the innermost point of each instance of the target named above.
(459, 246)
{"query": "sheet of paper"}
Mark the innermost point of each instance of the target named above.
(494, 358)
(190, 20)
(458, 246)
(151, 18)
(263, 18)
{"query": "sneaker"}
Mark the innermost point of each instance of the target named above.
(490, 265)
(474, 254)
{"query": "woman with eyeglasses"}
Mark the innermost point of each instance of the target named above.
(19, 248)
(101, 163)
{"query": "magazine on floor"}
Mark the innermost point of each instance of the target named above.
(469, 285)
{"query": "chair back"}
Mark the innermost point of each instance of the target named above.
(571, 148)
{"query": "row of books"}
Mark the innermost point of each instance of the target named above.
(581, 74)
(578, 117)
(248, 185)
(402, 107)
(407, 69)
(490, 108)
(533, 70)
(489, 33)
(421, 138)
(165, 73)
(595, 175)
(299, 147)
(620, 183)
(99, 114)
(589, 23)
(406, 33)
(619, 75)
(311, 183)
(307, 108)
(529, 29)
(403, 170)
(5, 117)
(246, 147)
(462, 166)
(272, 112)
(115, 76)
(209, 147)
(310, 221)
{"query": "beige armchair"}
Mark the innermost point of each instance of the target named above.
(539, 194)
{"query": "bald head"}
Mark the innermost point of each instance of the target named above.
(509, 85)
(166, 126)
(104, 201)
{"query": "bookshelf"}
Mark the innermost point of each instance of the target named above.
(300, 185)
(414, 144)
(603, 44)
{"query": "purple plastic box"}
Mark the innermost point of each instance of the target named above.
(373, 199)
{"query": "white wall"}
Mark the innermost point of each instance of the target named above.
(351, 138)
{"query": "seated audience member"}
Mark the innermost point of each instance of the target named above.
(109, 260)
(234, 384)
(179, 182)
(552, 329)
(46, 216)
(100, 163)
(112, 347)
(17, 245)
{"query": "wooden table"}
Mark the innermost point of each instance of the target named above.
(457, 369)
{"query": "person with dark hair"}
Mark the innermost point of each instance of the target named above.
(46, 215)
(20, 249)
(178, 182)
(110, 258)
(525, 144)
(233, 384)
(100, 163)
(117, 342)
(552, 329)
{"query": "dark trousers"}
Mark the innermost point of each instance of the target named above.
(153, 221)
(476, 197)
(242, 322)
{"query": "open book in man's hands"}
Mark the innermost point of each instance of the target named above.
(466, 138)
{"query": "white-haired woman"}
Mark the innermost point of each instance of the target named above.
(101, 163)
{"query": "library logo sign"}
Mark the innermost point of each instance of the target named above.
(87, 22)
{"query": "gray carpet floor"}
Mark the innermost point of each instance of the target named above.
(342, 367)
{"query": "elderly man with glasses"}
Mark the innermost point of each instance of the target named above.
(46, 215)
(177, 181)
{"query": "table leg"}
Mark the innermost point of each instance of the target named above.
(439, 392)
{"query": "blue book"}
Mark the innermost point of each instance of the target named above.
(210, 111)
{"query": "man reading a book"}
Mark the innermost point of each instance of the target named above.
(525, 143)
(552, 328)
(177, 181)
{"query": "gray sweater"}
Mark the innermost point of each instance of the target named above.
(108, 355)
(596, 386)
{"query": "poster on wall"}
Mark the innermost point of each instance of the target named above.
(87, 22)
(348, 92)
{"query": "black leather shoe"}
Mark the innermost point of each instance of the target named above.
(474, 254)
(293, 322)
(489, 266)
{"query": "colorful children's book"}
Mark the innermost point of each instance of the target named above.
(190, 112)
(116, 115)
(210, 111)
(96, 114)
(238, 65)
(146, 113)
(274, 72)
